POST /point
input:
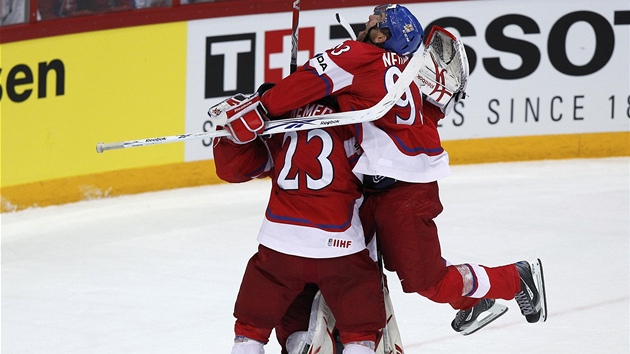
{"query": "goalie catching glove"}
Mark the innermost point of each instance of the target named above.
(243, 117)
(444, 75)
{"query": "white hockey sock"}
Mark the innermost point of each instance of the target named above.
(475, 279)
(365, 347)
(244, 345)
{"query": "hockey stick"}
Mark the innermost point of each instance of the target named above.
(342, 21)
(294, 35)
(295, 124)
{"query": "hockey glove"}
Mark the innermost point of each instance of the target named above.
(247, 120)
(217, 112)
(241, 116)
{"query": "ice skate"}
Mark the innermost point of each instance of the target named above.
(470, 321)
(531, 299)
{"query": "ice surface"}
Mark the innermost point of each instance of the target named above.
(159, 272)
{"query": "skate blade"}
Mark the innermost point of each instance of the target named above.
(496, 311)
(537, 270)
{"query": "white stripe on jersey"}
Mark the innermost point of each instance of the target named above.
(325, 66)
(381, 157)
(352, 148)
(312, 242)
(483, 281)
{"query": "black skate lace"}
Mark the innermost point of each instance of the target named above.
(461, 316)
(525, 303)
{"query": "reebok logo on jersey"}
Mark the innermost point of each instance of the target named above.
(335, 242)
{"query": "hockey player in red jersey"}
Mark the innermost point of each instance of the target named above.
(402, 161)
(311, 233)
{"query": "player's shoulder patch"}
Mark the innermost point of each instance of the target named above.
(321, 63)
(336, 55)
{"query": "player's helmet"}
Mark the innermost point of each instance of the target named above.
(406, 31)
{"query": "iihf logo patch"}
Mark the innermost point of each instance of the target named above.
(335, 242)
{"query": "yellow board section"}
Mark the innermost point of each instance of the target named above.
(527, 148)
(108, 184)
(76, 90)
(190, 174)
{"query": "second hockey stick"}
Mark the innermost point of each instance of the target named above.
(294, 35)
(342, 21)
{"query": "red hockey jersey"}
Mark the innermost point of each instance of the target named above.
(315, 196)
(404, 144)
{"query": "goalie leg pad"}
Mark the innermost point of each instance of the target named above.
(244, 345)
(390, 341)
(359, 348)
(296, 343)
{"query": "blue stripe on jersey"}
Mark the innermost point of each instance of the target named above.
(255, 173)
(358, 133)
(324, 78)
(475, 284)
(305, 222)
(418, 149)
(353, 159)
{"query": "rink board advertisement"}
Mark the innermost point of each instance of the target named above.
(537, 68)
(61, 95)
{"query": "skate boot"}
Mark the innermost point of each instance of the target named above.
(474, 319)
(531, 299)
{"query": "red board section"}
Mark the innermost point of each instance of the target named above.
(125, 16)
